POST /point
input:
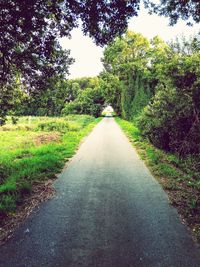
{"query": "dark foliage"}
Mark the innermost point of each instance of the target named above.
(30, 28)
(29, 32)
(172, 120)
(176, 9)
(160, 88)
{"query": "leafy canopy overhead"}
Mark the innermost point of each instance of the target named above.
(175, 9)
(29, 34)
(35, 25)
(30, 30)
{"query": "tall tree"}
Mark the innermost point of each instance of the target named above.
(127, 58)
(29, 32)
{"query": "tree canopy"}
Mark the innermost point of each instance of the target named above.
(30, 29)
(188, 10)
(29, 33)
(160, 88)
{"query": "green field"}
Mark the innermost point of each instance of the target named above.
(35, 149)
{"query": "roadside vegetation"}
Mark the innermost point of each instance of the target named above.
(157, 86)
(180, 177)
(34, 150)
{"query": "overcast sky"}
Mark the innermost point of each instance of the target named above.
(87, 55)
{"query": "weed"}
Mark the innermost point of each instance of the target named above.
(193, 203)
(7, 203)
(153, 155)
(25, 187)
(54, 125)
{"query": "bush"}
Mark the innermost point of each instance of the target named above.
(54, 125)
(71, 108)
(171, 122)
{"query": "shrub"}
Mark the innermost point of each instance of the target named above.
(171, 121)
(54, 125)
(71, 108)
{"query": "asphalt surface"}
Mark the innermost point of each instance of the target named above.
(108, 212)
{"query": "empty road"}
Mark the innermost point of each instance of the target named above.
(108, 211)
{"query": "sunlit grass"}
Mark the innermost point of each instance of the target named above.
(37, 153)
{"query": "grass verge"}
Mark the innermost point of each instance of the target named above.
(179, 177)
(31, 154)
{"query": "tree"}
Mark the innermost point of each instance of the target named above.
(88, 98)
(127, 58)
(171, 120)
(110, 87)
(30, 29)
(176, 9)
(29, 32)
(29, 35)
(89, 101)
(160, 88)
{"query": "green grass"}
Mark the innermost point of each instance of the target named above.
(163, 163)
(35, 150)
(179, 177)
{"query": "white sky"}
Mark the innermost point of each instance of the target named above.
(88, 56)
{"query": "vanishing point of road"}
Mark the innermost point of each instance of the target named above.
(108, 211)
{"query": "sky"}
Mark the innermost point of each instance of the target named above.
(88, 56)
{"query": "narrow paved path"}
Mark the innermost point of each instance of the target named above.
(108, 212)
